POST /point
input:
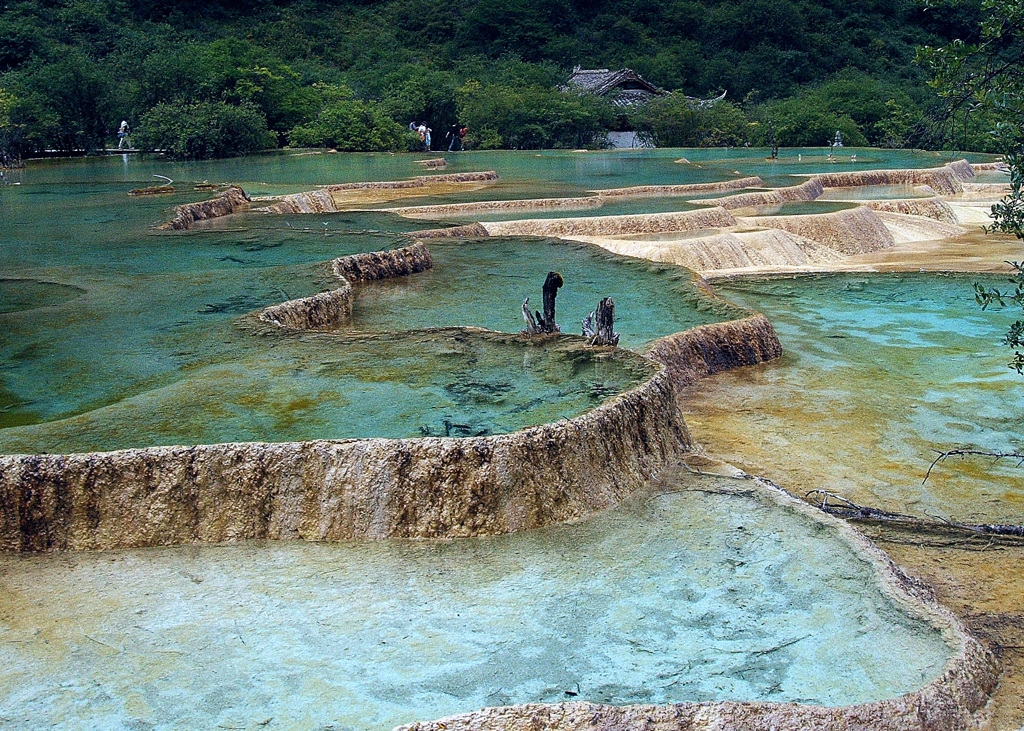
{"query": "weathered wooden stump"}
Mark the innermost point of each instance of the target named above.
(536, 323)
(604, 334)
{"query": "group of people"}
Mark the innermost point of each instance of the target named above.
(456, 135)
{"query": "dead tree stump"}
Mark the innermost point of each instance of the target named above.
(605, 319)
(536, 323)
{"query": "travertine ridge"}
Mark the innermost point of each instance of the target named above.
(371, 488)
(946, 180)
(232, 200)
(807, 191)
(855, 231)
(607, 225)
(328, 310)
(934, 207)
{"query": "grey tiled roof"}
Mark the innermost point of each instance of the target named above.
(601, 81)
(605, 81)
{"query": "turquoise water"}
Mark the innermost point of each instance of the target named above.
(675, 596)
(104, 317)
(483, 282)
(274, 386)
(106, 320)
(112, 334)
(879, 373)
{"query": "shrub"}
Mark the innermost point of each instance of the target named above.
(527, 117)
(673, 121)
(348, 124)
(199, 130)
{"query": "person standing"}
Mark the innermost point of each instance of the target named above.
(122, 135)
(453, 136)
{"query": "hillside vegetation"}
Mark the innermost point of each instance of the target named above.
(217, 77)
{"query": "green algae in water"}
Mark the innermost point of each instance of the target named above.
(301, 387)
(18, 295)
(679, 596)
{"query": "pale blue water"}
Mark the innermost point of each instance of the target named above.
(678, 596)
(887, 369)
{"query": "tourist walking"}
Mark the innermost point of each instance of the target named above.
(122, 136)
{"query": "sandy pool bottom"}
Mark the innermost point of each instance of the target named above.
(694, 591)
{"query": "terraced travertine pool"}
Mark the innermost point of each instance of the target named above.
(881, 371)
(113, 335)
(675, 595)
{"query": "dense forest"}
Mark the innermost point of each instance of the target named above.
(217, 77)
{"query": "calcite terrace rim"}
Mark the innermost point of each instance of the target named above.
(375, 487)
(951, 701)
(955, 700)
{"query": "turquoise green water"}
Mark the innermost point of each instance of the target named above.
(114, 335)
(103, 317)
(678, 596)
(879, 372)
(483, 282)
(298, 387)
(106, 321)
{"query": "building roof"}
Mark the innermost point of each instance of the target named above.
(630, 87)
(602, 81)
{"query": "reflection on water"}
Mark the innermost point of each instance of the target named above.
(670, 597)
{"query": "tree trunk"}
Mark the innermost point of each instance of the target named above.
(605, 324)
(551, 285)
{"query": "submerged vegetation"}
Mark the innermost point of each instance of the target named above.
(215, 78)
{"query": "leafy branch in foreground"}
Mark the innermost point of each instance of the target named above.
(987, 77)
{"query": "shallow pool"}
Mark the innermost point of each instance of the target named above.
(675, 595)
(879, 372)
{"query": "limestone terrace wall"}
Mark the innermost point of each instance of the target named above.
(807, 191)
(232, 200)
(934, 207)
(854, 231)
(946, 180)
(383, 264)
(323, 311)
(368, 488)
(327, 310)
(609, 225)
(653, 191)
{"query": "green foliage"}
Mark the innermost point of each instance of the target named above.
(800, 122)
(672, 121)
(348, 124)
(79, 66)
(199, 130)
(983, 79)
(529, 117)
(866, 110)
(64, 104)
(10, 133)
